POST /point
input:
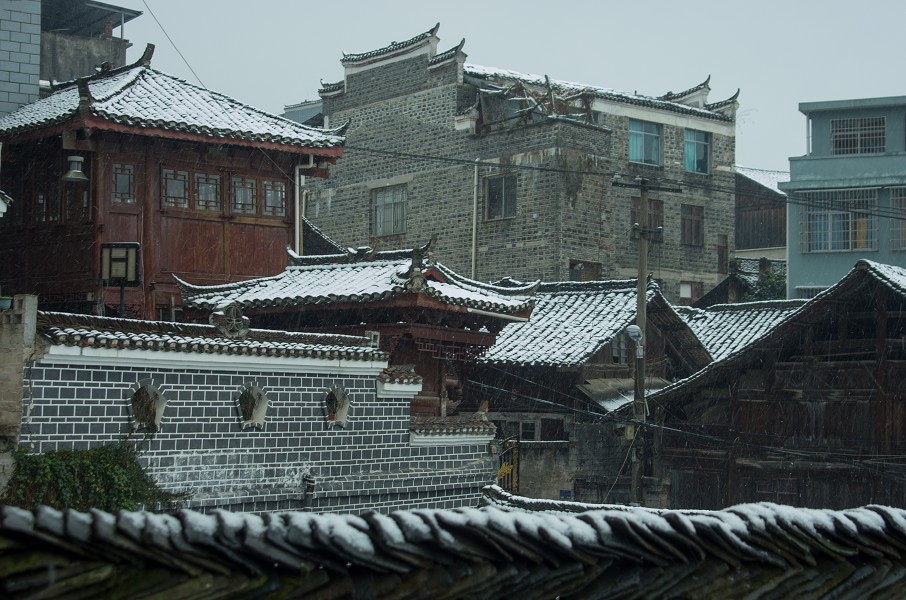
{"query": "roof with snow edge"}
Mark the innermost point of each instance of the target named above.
(358, 276)
(765, 177)
(140, 97)
(707, 112)
(88, 331)
(573, 320)
(725, 328)
(390, 49)
(851, 288)
(497, 551)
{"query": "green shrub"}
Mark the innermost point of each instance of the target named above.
(108, 478)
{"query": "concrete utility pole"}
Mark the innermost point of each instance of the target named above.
(637, 333)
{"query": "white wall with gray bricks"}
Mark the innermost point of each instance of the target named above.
(201, 446)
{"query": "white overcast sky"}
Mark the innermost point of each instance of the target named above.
(270, 53)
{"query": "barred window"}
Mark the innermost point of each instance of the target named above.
(390, 210)
(123, 183)
(839, 220)
(898, 218)
(207, 191)
(245, 195)
(864, 135)
(274, 198)
(174, 188)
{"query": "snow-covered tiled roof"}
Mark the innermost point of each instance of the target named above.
(360, 276)
(765, 177)
(390, 49)
(104, 332)
(492, 73)
(145, 100)
(494, 552)
(571, 321)
(725, 328)
(736, 347)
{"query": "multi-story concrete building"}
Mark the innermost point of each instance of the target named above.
(848, 193)
(514, 172)
(56, 40)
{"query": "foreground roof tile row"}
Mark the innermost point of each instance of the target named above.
(754, 550)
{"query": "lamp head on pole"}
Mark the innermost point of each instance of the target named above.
(75, 173)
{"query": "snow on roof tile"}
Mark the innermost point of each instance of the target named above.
(538, 548)
(67, 329)
(599, 92)
(725, 328)
(142, 97)
(570, 322)
(766, 178)
(357, 277)
(392, 48)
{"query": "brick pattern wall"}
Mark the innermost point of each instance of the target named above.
(407, 111)
(201, 446)
(20, 53)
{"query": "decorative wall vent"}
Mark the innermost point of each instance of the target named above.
(230, 322)
(148, 405)
(336, 408)
(252, 403)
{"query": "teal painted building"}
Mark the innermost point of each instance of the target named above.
(847, 195)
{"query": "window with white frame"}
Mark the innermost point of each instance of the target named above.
(862, 135)
(390, 210)
(696, 151)
(839, 220)
(644, 142)
(502, 197)
(898, 219)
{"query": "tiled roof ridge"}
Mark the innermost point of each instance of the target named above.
(329, 240)
(525, 289)
(390, 48)
(684, 93)
(447, 54)
(707, 111)
(362, 254)
(49, 319)
(452, 424)
(723, 103)
(540, 550)
(185, 286)
(761, 304)
(144, 61)
(603, 285)
(745, 168)
(881, 271)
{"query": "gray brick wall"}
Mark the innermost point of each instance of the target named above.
(20, 53)
(407, 112)
(201, 446)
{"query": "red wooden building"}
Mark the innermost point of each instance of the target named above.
(132, 162)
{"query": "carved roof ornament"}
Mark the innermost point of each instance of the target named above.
(231, 322)
(417, 282)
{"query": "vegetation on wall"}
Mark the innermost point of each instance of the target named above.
(771, 286)
(108, 478)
